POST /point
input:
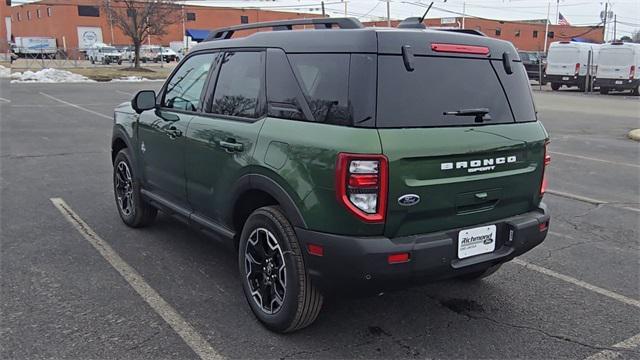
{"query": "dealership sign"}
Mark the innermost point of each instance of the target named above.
(88, 35)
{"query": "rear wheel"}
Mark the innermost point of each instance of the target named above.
(274, 278)
(133, 209)
(555, 86)
(604, 90)
(480, 274)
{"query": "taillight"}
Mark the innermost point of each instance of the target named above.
(361, 185)
(577, 69)
(632, 72)
(547, 161)
(462, 49)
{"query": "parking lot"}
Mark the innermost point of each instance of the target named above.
(77, 283)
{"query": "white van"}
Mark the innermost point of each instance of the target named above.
(567, 63)
(104, 54)
(619, 68)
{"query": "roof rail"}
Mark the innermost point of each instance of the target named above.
(318, 23)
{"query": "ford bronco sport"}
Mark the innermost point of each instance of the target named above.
(340, 158)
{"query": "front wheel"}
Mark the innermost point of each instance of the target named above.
(274, 278)
(604, 90)
(133, 209)
(555, 86)
(636, 91)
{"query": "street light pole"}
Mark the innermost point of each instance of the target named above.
(388, 13)
(546, 28)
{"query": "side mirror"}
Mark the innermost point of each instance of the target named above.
(144, 100)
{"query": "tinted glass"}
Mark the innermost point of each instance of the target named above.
(324, 79)
(437, 85)
(284, 98)
(86, 10)
(517, 86)
(185, 87)
(240, 85)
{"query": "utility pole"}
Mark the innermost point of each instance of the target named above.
(323, 13)
(388, 13)
(464, 12)
(546, 28)
(604, 19)
(557, 11)
(185, 46)
(345, 8)
(615, 22)
(110, 21)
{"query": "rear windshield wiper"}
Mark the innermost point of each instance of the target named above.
(481, 114)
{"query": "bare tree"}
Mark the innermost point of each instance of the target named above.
(139, 19)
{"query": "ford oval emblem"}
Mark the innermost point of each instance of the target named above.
(408, 200)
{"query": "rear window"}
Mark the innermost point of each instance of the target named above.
(616, 57)
(442, 84)
(563, 55)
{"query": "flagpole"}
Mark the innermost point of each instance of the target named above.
(546, 28)
(557, 12)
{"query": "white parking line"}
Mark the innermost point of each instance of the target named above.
(77, 106)
(190, 336)
(582, 284)
(628, 344)
(125, 93)
(5, 100)
(590, 200)
(594, 159)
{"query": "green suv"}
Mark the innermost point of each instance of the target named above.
(340, 158)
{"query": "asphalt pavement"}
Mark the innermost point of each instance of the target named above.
(577, 295)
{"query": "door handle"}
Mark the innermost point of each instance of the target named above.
(231, 146)
(173, 132)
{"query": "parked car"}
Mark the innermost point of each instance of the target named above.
(150, 53)
(168, 55)
(567, 64)
(104, 54)
(327, 160)
(619, 68)
(531, 61)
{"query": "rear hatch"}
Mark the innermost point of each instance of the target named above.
(615, 62)
(562, 60)
(465, 172)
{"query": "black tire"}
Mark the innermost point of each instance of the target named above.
(92, 61)
(301, 301)
(636, 91)
(480, 274)
(581, 87)
(555, 86)
(133, 209)
(604, 90)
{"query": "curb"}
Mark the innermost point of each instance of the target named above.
(634, 134)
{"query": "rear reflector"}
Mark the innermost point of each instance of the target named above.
(398, 258)
(462, 49)
(543, 226)
(316, 250)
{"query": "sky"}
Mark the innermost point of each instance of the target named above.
(577, 12)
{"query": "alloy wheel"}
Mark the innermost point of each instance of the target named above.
(265, 270)
(124, 188)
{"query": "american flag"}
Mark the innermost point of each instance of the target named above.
(562, 20)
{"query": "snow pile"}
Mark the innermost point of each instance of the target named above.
(49, 76)
(133, 79)
(5, 72)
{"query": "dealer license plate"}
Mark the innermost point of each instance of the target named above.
(476, 241)
(565, 78)
(618, 82)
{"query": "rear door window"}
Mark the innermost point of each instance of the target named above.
(437, 85)
(240, 87)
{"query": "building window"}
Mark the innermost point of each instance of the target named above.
(517, 33)
(535, 33)
(38, 14)
(191, 16)
(86, 10)
(498, 31)
(551, 34)
(49, 11)
(8, 2)
(18, 17)
(244, 19)
(28, 15)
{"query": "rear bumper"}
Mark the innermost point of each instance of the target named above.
(568, 80)
(625, 84)
(360, 263)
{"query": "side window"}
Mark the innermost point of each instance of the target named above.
(324, 79)
(240, 86)
(185, 87)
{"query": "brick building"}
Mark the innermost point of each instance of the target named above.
(69, 21)
(525, 35)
